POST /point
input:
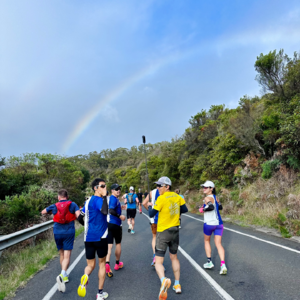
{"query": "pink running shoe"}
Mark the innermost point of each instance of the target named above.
(118, 266)
(108, 271)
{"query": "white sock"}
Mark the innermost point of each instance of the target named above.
(64, 273)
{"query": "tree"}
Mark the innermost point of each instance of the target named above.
(271, 70)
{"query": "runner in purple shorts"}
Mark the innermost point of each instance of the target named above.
(212, 224)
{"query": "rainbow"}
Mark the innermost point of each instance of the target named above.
(85, 122)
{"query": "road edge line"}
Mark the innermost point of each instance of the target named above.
(53, 290)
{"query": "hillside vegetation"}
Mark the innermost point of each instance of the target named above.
(251, 153)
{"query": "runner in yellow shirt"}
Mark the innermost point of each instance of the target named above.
(170, 206)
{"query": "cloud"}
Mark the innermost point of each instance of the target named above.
(110, 114)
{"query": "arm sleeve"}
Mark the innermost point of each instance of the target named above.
(209, 207)
(113, 212)
(152, 212)
(104, 208)
(183, 209)
(81, 218)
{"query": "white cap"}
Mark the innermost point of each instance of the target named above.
(164, 180)
(131, 188)
(208, 184)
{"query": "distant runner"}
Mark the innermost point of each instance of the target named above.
(170, 206)
(154, 194)
(130, 200)
(140, 197)
(212, 224)
(65, 212)
(114, 228)
(177, 191)
(94, 217)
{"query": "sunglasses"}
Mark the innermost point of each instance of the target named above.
(206, 187)
(118, 189)
(102, 186)
(160, 185)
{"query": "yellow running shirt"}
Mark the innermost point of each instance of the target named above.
(168, 206)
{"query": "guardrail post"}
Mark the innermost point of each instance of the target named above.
(33, 241)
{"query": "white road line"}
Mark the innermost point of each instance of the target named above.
(54, 288)
(215, 286)
(251, 236)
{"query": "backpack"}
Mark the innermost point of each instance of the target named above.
(130, 199)
(63, 215)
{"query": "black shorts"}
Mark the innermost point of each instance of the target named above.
(131, 212)
(168, 238)
(100, 247)
(114, 232)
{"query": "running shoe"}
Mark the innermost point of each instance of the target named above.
(129, 228)
(60, 283)
(163, 293)
(66, 279)
(108, 271)
(82, 287)
(102, 296)
(223, 270)
(140, 211)
(153, 262)
(208, 265)
(118, 266)
(132, 232)
(177, 288)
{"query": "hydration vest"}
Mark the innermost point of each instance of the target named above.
(130, 198)
(63, 215)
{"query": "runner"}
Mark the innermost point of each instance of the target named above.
(170, 206)
(94, 217)
(154, 194)
(130, 200)
(140, 197)
(212, 224)
(114, 228)
(65, 212)
(177, 191)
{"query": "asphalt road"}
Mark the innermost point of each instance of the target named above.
(259, 267)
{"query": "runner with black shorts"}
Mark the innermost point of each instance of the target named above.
(170, 206)
(140, 197)
(131, 209)
(94, 216)
(115, 219)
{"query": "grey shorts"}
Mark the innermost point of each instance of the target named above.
(168, 238)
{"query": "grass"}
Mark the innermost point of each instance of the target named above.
(17, 267)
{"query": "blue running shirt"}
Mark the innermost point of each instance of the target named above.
(95, 222)
(131, 205)
(114, 203)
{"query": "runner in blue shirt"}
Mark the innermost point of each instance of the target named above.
(115, 219)
(65, 212)
(94, 216)
(131, 200)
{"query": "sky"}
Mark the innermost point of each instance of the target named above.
(83, 76)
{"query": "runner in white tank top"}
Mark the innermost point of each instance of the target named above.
(212, 224)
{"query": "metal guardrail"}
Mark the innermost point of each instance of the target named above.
(9, 240)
